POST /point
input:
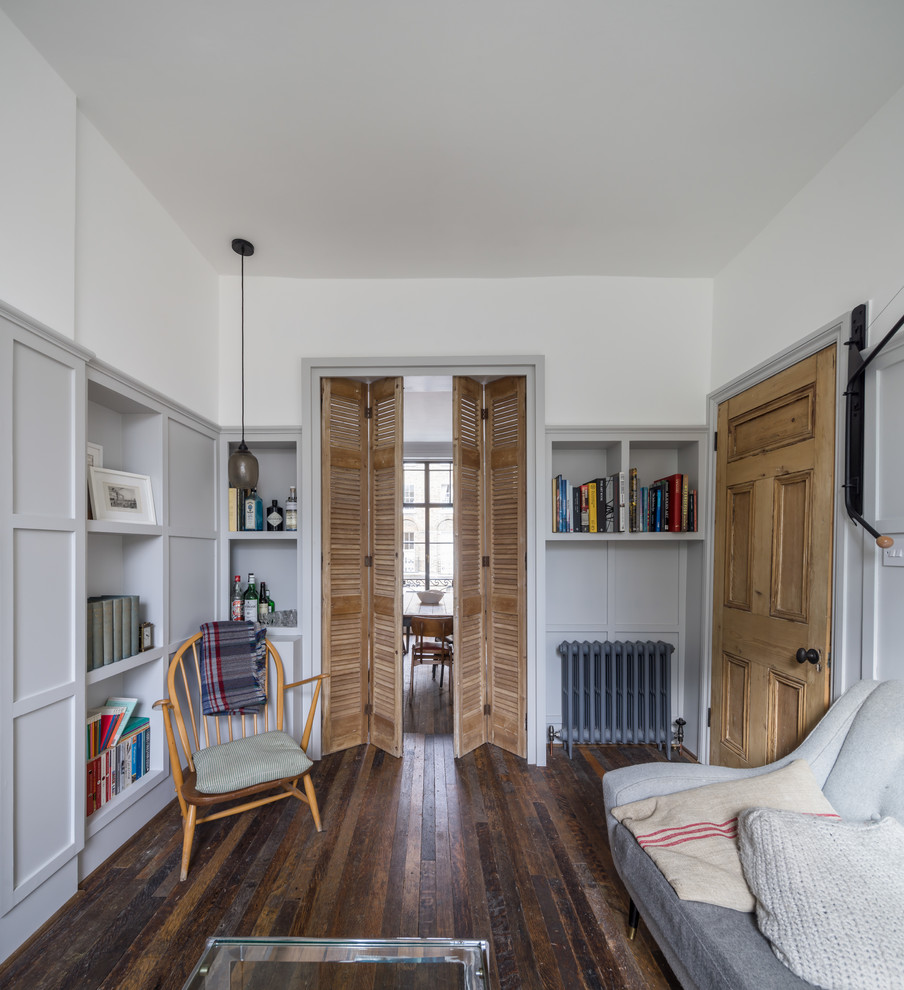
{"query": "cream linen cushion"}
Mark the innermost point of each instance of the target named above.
(242, 763)
(829, 896)
(692, 835)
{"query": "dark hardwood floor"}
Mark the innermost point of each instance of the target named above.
(483, 847)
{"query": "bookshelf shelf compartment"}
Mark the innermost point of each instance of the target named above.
(622, 537)
(95, 822)
(108, 527)
(264, 536)
(118, 667)
(273, 556)
(165, 564)
(582, 454)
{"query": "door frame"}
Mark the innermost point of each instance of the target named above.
(847, 552)
(532, 367)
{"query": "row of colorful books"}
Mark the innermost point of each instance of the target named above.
(610, 505)
(119, 766)
(105, 725)
(667, 506)
(113, 622)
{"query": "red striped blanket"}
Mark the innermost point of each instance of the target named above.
(692, 836)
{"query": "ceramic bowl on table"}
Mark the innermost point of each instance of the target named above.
(430, 597)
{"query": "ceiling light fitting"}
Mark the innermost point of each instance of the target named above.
(243, 466)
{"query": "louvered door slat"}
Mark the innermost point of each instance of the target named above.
(344, 590)
(469, 683)
(507, 578)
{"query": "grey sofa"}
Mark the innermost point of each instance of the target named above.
(857, 755)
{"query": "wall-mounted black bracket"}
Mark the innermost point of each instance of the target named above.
(855, 423)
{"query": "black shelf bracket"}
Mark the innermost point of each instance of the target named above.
(855, 422)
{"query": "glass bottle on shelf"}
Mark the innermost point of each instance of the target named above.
(237, 607)
(292, 510)
(271, 605)
(274, 518)
(263, 605)
(254, 511)
(251, 600)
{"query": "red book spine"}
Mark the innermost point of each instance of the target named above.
(674, 484)
(91, 788)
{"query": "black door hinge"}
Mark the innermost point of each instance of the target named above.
(368, 709)
(368, 562)
(716, 440)
(484, 561)
(709, 718)
(369, 412)
(486, 709)
(484, 413)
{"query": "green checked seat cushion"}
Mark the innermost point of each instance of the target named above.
(242, 763)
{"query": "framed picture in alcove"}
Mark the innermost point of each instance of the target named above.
(119, 496)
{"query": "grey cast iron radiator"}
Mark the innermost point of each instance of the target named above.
(616, 692)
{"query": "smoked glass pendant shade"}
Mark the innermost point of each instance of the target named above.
(243, 468)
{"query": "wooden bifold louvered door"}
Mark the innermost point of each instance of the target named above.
(344, 577)
(506, 513)
(362, 475)
(490, 491)
(386, 571)
(469, 675)
(362, 571)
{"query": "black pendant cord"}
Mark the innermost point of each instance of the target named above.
(243, 352)
(243, 466)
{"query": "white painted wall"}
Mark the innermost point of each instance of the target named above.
(838, 243)
(618, 350)
(146, 301)
(37, 185)
(85, 248)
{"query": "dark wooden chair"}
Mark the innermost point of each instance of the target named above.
(432, 644)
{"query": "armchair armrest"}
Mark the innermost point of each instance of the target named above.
(309, 723)
(307, 680)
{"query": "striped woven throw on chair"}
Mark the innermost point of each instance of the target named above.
(233, 655)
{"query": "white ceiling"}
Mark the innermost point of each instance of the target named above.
(488, 138)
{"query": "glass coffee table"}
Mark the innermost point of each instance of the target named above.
(336, 964)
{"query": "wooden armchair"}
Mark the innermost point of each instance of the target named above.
(432, 644)
(250, 751)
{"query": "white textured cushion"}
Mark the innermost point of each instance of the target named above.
(242, 763)
(692, 835)
(830, 896)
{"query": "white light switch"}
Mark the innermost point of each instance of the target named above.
(893, 557)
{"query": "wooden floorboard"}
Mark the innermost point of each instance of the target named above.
(428, 846)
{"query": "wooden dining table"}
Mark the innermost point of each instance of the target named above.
(412, 605)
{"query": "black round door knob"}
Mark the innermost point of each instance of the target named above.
(805, 656)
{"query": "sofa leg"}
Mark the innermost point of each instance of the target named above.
(633, 920)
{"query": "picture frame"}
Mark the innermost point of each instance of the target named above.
(95, 455)
(119, 496)
(95, 458)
